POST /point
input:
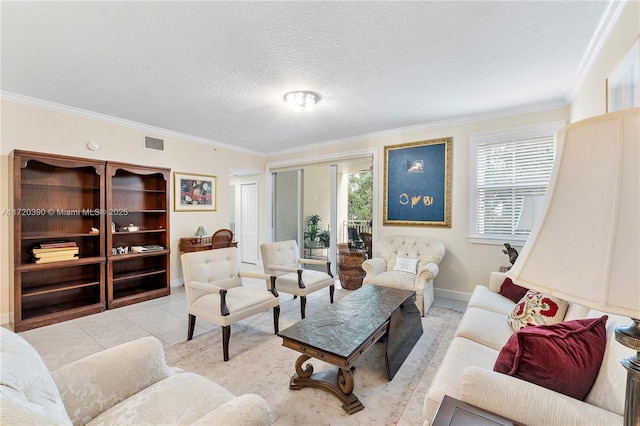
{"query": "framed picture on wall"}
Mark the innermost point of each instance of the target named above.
(623, 83)
(417, 183)
(194, 192)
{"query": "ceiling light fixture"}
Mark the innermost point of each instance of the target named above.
(302, 99)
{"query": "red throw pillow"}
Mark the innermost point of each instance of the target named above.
(512, 291)
(564, 357)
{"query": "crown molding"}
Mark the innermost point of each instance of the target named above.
(457, 121)
(606, 24)
(53, 106)
(508, 112)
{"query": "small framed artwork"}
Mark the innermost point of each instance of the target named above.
(194, 192)
(623, 83)
(417, 183)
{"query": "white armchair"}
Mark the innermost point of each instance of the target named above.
(406, 262)
(214, 290)
(282, 260)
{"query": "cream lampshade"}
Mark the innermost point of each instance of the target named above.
(585, 246)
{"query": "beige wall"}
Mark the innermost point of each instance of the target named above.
(43, 130)
(465, 264)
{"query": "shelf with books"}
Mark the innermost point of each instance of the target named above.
(57, 199)
(140, 196)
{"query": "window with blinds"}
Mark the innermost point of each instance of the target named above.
(511, 171)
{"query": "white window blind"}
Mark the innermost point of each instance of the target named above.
(511, 172)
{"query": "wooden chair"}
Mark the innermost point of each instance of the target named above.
(222, 238)
(281, 259)
(214, 290)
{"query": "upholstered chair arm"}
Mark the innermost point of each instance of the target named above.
(247, 409)
(527, 403)
(373, 267)
(97, 382)
(206, 287)
(317, 262)
(495, 281)
(283, 268)
(271, 279)
(289, 269)
(427, 273)
(256, 275)
(212, 288)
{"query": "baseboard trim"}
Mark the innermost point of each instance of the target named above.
(177, 282)
(451, 294)
(5, 320)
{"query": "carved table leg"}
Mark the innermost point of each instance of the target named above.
(338, 381)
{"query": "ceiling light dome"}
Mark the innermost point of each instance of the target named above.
(302, 99)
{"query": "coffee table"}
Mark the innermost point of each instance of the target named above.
(345, 330)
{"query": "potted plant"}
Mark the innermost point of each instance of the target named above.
(313, 231)
(323, 237)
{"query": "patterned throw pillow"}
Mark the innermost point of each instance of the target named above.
(536, 308)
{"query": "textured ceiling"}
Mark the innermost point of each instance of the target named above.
(218, 70)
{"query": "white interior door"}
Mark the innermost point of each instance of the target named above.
(249, 222)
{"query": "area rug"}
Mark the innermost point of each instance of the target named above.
(260, 364)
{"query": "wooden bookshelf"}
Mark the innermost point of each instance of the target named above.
(137, 196)
(57, 198)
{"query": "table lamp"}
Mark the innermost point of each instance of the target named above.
(584, 246)
(200, 232)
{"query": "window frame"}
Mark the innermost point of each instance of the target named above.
(501, 136)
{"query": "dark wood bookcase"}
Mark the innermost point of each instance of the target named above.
(68, 199)
(57, 198)
(137, 196)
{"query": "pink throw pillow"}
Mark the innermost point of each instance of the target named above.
(564, 357)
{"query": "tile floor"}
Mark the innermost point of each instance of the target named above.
(165, 318)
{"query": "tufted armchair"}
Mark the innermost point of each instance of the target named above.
(214, 290)
(406, 262)
(282, 260)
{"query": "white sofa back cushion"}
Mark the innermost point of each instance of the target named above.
(28, 393)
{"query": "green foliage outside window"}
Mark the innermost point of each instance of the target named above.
(360, 196)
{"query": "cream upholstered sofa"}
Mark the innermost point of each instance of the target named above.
(385, 270)
(127, 384)
(466, 372)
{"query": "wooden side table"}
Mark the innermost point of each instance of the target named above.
(350, 270)
(453, 412)
(190, 244)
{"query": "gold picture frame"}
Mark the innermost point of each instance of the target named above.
(623, 83)
(194, 192)
(417, 183)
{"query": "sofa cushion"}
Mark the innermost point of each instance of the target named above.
(536, 308)
(405, 264)
(512, 291)
(462, 353)
(485, 327)
(28, 393)
(485, 298)
(564, 357)
(179, 399)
